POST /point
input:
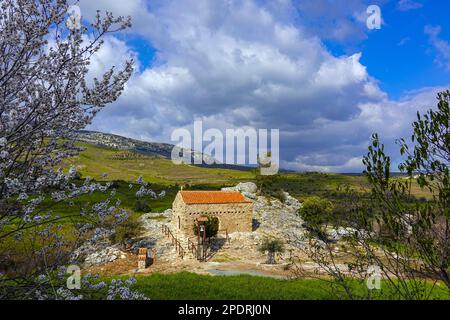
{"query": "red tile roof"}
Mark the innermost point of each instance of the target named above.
(213, 197)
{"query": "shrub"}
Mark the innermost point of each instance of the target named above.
(316, 211)
(78, 176)
(141, 206)
(212, 227)
(281, 195)
(127, 230)
(116, 183)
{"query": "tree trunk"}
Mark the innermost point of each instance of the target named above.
(270, 257)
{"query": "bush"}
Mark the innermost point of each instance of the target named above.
(281, 195)
(141, 206)
(212, 227)
(78, 176)
(127, 230)
(116, 183)
(316, 211)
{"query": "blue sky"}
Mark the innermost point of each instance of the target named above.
(399, 55)
(310, 68)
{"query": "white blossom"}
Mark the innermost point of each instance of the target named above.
(45, 99)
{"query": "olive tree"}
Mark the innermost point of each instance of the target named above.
(272, 247)
(407, 238)
(419, 232)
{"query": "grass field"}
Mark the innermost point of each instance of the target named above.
(186, 285)
(122, 165)
(164, 174)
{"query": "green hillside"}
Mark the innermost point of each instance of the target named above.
(128, 166)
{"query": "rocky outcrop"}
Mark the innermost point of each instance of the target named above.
(290, 201)
(152, 223)
(97, 254)
(244, 187)
(280, 220)
(106, 255)
(248, 187)
(153, 237)
(147, 242)
(339, 233)
(271, 217)
(167, 214)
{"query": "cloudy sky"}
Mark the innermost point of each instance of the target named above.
(310, 68)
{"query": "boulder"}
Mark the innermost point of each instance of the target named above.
(104, 256)
(340, 232)
(88, 248)
(248, 187)
(291, 201)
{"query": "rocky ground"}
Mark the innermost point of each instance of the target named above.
(271, 218)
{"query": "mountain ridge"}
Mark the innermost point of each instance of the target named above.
(158, 149)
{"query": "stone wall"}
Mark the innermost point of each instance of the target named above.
(233, 217)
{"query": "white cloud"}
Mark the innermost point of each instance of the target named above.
(137, 9)
(403, 41)
(351, 165)
(235, 64)
(113, 53)
(334, 145)
(407, 5)
(442, 47)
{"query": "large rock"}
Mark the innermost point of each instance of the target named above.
(151, 226)
(279, 220)
(340, 232)
(148, 243)
(104, 256)
(291, 201)
(96, 253)
(247, 187)
(88, 248)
